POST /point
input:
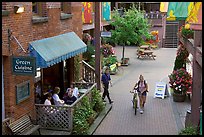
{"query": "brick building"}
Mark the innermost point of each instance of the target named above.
(40, 22)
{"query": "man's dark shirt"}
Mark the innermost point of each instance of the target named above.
(105, 78)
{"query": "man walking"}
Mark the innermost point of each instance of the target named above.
(105, 81)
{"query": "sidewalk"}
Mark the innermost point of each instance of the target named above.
(161, 116)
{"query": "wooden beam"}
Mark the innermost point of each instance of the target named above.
(197, 84)
(189, 44)
(97, 34)
(198, 56)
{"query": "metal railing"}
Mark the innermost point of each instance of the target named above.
(153, 15)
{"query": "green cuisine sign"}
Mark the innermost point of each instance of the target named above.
(23, 65)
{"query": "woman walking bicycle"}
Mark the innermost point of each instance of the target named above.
(142, 88)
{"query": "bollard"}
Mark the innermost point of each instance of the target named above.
(188, 118)
(200, 122)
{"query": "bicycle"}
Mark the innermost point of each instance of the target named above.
(134, 101)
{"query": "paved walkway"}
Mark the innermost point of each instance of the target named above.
(161, 116)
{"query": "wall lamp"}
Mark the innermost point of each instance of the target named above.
(19, 9)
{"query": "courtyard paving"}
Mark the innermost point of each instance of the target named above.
(161, 116)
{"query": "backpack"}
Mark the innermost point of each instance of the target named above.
(137, 88)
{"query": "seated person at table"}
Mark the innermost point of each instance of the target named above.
(57, 100)
(69, 97)
(48, 100)
(74, 90)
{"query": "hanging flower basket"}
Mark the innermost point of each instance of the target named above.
(186, 32)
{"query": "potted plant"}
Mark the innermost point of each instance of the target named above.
(107, 50)
(186, 31)
(180, 81)
(110, 61)
(181, 57)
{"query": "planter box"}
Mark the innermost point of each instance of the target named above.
(179, 98)
(125, 61)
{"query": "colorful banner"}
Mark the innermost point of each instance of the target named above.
(193, 15)
(178, 10)
(87, 12)
(106, 11)
(164, 6)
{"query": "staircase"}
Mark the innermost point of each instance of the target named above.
(171, 37)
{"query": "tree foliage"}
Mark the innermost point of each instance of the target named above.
(130, 28)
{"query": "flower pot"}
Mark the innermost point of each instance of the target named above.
(179, 97)
(124, 61)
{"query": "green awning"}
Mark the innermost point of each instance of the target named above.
(52, 50)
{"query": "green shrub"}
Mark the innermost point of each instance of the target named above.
(110, 60)
(87, 107)
(190, 130)
(97, 102)
(82, 115)
(85, 113)
(80, 124)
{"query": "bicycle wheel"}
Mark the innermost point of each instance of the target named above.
(135, 106)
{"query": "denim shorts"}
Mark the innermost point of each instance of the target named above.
(143, 94)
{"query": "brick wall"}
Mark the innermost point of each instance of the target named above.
(20, 25)
(25, 31)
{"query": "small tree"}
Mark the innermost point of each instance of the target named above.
(129, 28)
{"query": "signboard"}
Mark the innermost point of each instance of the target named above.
(161, 90)
(22, 91)
(105, 34)
(23, 65)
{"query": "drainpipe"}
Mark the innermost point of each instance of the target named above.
(9, 40)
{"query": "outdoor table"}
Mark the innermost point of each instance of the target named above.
(82, 91)
(146, 53)
(149, 53)
(145, 47)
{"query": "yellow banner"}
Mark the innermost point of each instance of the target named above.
(193, 16)
(164, 6)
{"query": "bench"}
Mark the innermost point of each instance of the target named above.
(23, 126)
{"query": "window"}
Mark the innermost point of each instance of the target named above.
(39, 12)
(22, 91)
(65, 10)
(39, 8)
(66, 7)
(4, 5)
(34, 7)
(5, 12)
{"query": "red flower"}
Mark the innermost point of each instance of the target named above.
(180, 78)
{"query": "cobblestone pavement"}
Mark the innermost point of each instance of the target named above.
(161, 116)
